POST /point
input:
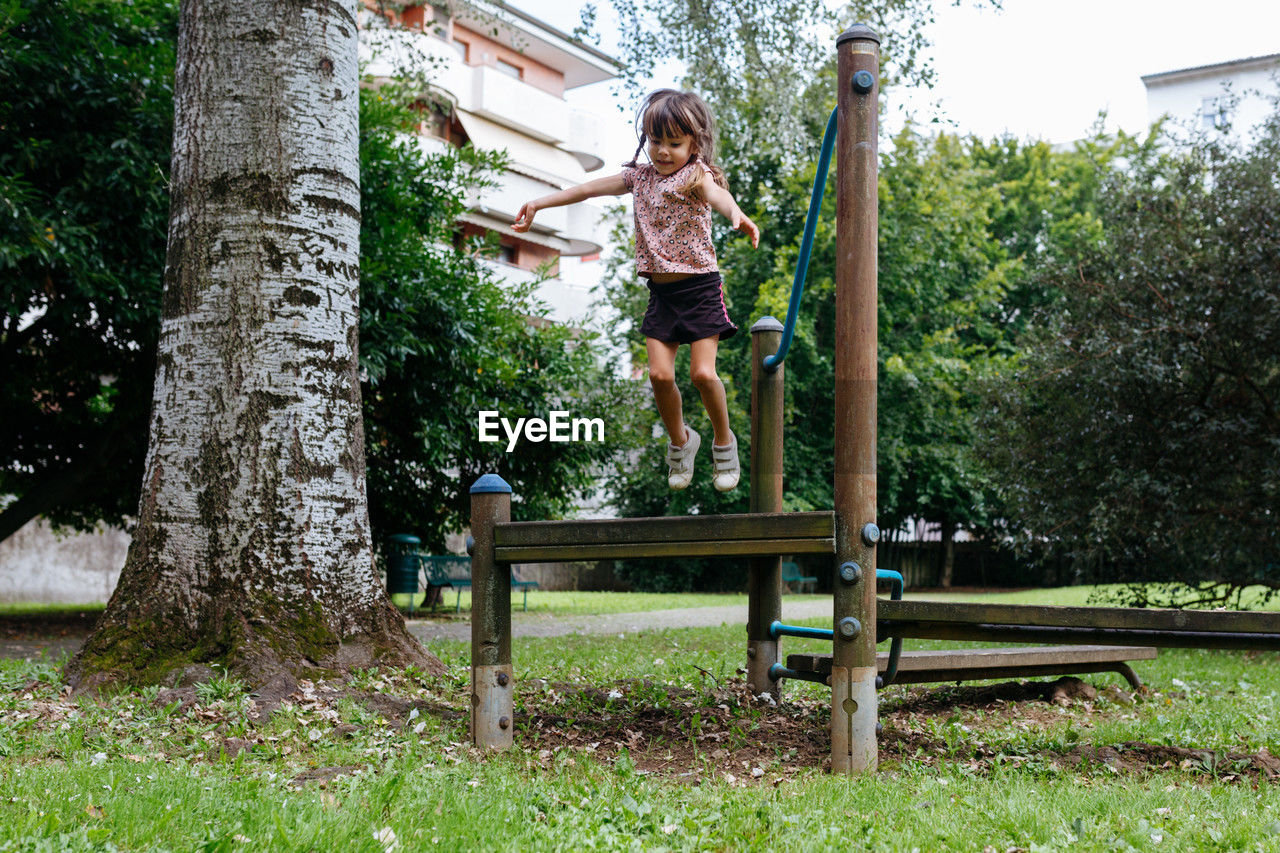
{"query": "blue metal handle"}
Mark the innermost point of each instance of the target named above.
(777, 629)
(896, 577)
(773, 362)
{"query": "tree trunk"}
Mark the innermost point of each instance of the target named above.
(252, 549)
(948, 552)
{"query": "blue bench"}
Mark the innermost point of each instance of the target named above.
(452, 570)
(791, 577)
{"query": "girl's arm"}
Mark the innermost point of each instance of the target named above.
(721, 200)
(613, 185)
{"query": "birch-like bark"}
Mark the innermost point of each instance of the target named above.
(253, 545)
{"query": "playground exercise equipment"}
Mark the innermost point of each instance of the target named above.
(809, 673)
(848, 534)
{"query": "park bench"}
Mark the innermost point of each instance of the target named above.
(792, 578)
(945, 665)
(455, 571)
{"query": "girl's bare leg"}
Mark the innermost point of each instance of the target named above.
(662, 376)
(702, 370)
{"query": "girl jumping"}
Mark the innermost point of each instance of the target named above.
(673, 196)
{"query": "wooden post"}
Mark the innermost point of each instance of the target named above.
(853, 664)
(492, 687)
(764, 581)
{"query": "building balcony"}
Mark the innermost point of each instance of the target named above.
(565, 303)
(516, 104)
(586, 139)
(587, 231)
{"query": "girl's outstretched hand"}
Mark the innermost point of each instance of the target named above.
(741, 222)
(524, 218)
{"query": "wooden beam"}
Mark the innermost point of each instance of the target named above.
(940, 613)
(666, 548)
(959, 659)
(679, 528)
(925, 667)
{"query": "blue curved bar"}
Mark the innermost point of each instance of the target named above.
(777, 629)
(891, 575)
(772, 362)
(895, 645)
(778, 672)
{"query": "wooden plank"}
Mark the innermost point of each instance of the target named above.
(977, 659)
(682, 528)
(623, 550)
(1117, 618)
(984, 633)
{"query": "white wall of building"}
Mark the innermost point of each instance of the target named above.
(1198, 98)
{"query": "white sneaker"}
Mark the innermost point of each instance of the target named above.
(681, 460)
(725, 463)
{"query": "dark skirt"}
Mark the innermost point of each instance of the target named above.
(688, 310)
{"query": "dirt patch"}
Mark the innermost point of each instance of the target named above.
(1136, 756)
(718, 730)
(676, 732)
(688, 735)
(1064, 691)
(397, 710)
(322, 776)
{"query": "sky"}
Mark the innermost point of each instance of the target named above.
(1036, 69)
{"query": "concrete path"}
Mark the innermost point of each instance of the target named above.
(623, 623)
(522, 625)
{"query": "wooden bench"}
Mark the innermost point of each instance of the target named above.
(923, 667)
(791, 575)
(455, 571)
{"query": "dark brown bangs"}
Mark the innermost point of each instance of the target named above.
(665, 119)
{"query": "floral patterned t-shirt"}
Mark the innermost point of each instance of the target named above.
(673, 230)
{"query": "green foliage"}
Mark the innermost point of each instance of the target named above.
(954, 263)
(85, 134)
(442, 339)
(757, 62)
(1138, 433)
(86, 120)
(961, 222)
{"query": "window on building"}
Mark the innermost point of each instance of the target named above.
(463, 49)
(510, 69)
(508, 254)
(1213, 113)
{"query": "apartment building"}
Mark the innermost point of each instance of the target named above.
(503, 75)
(1242, 91)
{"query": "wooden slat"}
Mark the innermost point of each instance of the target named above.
(676, 548)
(682, 528)
(978, 659)
(1121, 618)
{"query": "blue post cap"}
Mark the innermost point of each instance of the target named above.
(404, 539)
(490, 484)
(858, 31)
(767, 324)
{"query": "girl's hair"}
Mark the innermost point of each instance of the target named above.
(667, 113)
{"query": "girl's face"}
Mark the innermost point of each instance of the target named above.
(669, 154)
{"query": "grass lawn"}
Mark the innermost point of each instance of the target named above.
(645, 741)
